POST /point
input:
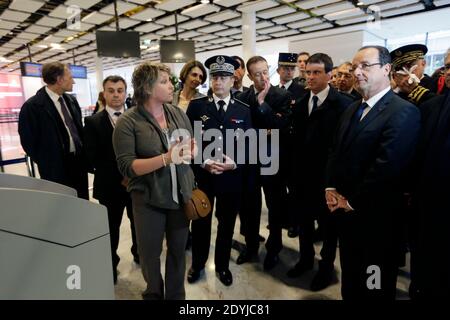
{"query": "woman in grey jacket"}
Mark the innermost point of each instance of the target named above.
(153, 148)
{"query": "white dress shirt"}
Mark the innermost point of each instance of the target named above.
(226, 100)
(286, 85)
(373, 101)
(112, 117)
(55, 97)
(322, 95)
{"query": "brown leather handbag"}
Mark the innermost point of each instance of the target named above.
(198, 206)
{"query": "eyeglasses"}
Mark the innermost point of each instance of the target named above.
(364, 66)
(447, 67)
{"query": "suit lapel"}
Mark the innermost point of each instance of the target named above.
(212, 109)
(106, 124)
(374, 112)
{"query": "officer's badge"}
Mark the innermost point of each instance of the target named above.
(204, 118)
(220, 60)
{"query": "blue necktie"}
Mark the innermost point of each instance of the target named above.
(356, 119)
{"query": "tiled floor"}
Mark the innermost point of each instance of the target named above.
(250, 281)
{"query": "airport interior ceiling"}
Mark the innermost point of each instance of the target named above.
(43, 31)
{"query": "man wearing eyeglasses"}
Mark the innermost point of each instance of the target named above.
(374, 143)
(431, 198)
(345, 81)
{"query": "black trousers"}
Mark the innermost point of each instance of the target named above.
(115, 206)
(359, 254)
(77, 176)
(330, 236)
(227, 207)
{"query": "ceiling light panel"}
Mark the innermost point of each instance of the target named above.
(14, 15)
(37, 29)
(8, 25)
(220, 40)
(139, 1)
(344, 14)
(50, 22)
(77, 42)
(107, 28)
(200, 10)
(439, 3)
(304, 23)
(406, 9)
(291, 18)
(193, 24)
(275, 12)
(26, 5)
(52, 39)
(284, 33)
(11, 45)
(262, 38)
(97, 18)
(257, 5)
(200, 44)
(263, 24)
(125, 23)
(81, 26)
(363, 18)
(229, 3)
(317, 27)
(62, 11)
(237, 36)
(205, 38)
(148, 27)
(65, 33)
(18, 41)
(85, 4)
(314, 3)
(170, 20)
(272, 29)
(147, 14)
(189, 34)
(234, 22)
(172, 5)
(213, 47)
(236, 43)
(344, 5)
(228, 32)
(213, 28)
(394, 4)
(167, 31)
(369, 2)
(122, 7)
(222, 16)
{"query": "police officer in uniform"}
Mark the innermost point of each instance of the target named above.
(408, 66)
(220, 175)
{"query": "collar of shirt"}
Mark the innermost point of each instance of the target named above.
(54, 96)
(226, 99)
(111, 112)
(373, 101)
(322, 95)
(286, 85)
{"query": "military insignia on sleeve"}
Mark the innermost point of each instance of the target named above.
(237, 121)
(204, 118)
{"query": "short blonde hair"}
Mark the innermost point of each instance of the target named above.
(144, 78)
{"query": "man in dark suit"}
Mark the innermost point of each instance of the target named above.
(374, 144)
(286, 69)
(239, 74)
(270, 109)
(315, 119)
(346, 80)
(431, 197)
(50, 130)
(109, 185)
(221, 174)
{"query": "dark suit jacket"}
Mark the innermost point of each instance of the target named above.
(297, 90)
(367, 167)
(274, 113)
(44, 136)
(98, 131)
(431, 198)
(237, 116)
(313, 136)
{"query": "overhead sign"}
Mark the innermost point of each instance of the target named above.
(30, 69)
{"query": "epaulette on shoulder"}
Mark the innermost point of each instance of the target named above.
(241, 102)
(417, 94)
